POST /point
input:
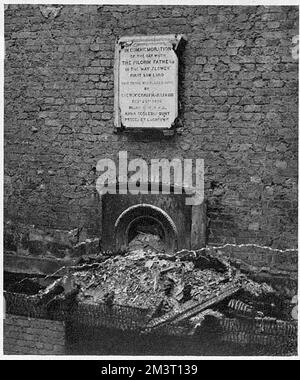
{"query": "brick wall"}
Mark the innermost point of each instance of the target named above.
(25, 336)
(239, 109)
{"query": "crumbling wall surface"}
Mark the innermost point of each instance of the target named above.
(239, 110)
(22, 336)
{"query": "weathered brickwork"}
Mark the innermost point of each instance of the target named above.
(30, 336)
(238, 105)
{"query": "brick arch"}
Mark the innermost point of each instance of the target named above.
(146, 211)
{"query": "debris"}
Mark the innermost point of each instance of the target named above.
(189, 309)
(147, 241)
(181, 292)
(156, 281)
(198, 319)
(244, 309)
(64, 286)
(256, 289)
(109, 298)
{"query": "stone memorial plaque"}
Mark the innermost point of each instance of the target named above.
(146, 82)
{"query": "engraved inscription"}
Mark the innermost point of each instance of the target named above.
(148, 81)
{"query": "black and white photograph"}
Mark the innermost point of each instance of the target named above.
(150, 174)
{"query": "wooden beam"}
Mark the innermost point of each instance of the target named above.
(192, 308)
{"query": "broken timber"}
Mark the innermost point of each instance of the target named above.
(191, 309)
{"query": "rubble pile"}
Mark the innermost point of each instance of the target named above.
(148, 278)
(181, 294)
(145, 280)
(148, 290)
(147, 241)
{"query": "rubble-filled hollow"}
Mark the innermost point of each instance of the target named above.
(145, 218)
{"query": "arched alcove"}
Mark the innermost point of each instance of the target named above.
(151, 218)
